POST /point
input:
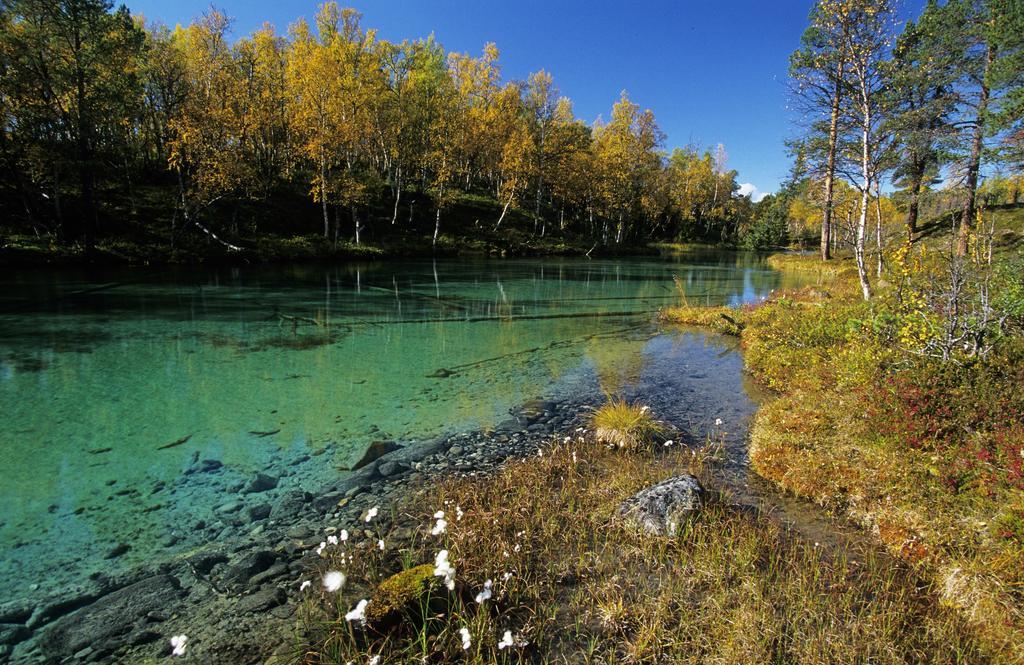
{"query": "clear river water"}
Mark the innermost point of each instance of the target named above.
(114, 381)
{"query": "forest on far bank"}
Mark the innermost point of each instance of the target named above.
(115, 126)
(127, 135)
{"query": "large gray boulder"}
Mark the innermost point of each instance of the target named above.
(660, 509)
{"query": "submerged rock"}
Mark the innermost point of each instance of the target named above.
(117, 550)
(659, 509)
(250, 564)
(260, 482)
(112, 616)
(259, 512)
(374, 452)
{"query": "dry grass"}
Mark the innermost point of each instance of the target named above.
(826, 438)
(838, 268)
(623, 425)
(580, 586)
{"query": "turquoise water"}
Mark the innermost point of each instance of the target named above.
(113, 382)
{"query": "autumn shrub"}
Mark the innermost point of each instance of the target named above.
(886, 415)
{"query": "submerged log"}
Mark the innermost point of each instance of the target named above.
(176, 443)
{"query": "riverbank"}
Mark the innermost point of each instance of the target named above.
(236, 595)
(285, 229)
(925, 455)
(536, 496)
(542, 566)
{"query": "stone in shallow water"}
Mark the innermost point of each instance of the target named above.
(259, 512)
(251, 564)
(260, 482)
(12, 633)
(374, 452)
(204, 562)
(111, 616)
(389, 468)
(659, 509)
(118, 550)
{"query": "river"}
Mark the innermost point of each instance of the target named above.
(116, 382)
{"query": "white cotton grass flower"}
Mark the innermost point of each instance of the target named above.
(370, 514)
(509, 642)
(506, 577)
(305, 585)
(486, 593)
(669, 443)
(334, 580)
(332, 540)
(358, 613)
(374, 660)
(441, 525)
(320, 548)
(464, 634)
(644, 409)
(718, 422)
(380, 545)
(178, 644)
(343, 536)
(443, 568)
(458, 513)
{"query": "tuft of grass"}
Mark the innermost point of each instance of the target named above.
(627, 426)
(571, 582)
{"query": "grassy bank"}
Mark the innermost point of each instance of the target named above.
(926, 453)
(570, 581)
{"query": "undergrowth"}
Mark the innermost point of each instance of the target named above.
(543, 570)
(926, 453)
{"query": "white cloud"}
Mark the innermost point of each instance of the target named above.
(749, 189)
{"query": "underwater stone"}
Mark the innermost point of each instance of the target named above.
(111, 615)
(229, 507)
(12, 633)
(389, 468)
(260, 482)
(374, 452)
(259, 512)
(251, 564)
(118, 550)
(204, 562)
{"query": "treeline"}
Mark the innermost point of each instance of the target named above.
(931, 104)
(96, 104)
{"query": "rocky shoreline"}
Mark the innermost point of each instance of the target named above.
(236, 597)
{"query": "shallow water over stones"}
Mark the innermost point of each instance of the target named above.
(198, 446)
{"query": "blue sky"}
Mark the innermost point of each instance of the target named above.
(712, 71)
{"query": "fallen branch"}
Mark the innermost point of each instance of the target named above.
(739, 326)
(234, 248)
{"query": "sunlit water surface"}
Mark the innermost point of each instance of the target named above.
(111, 382)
